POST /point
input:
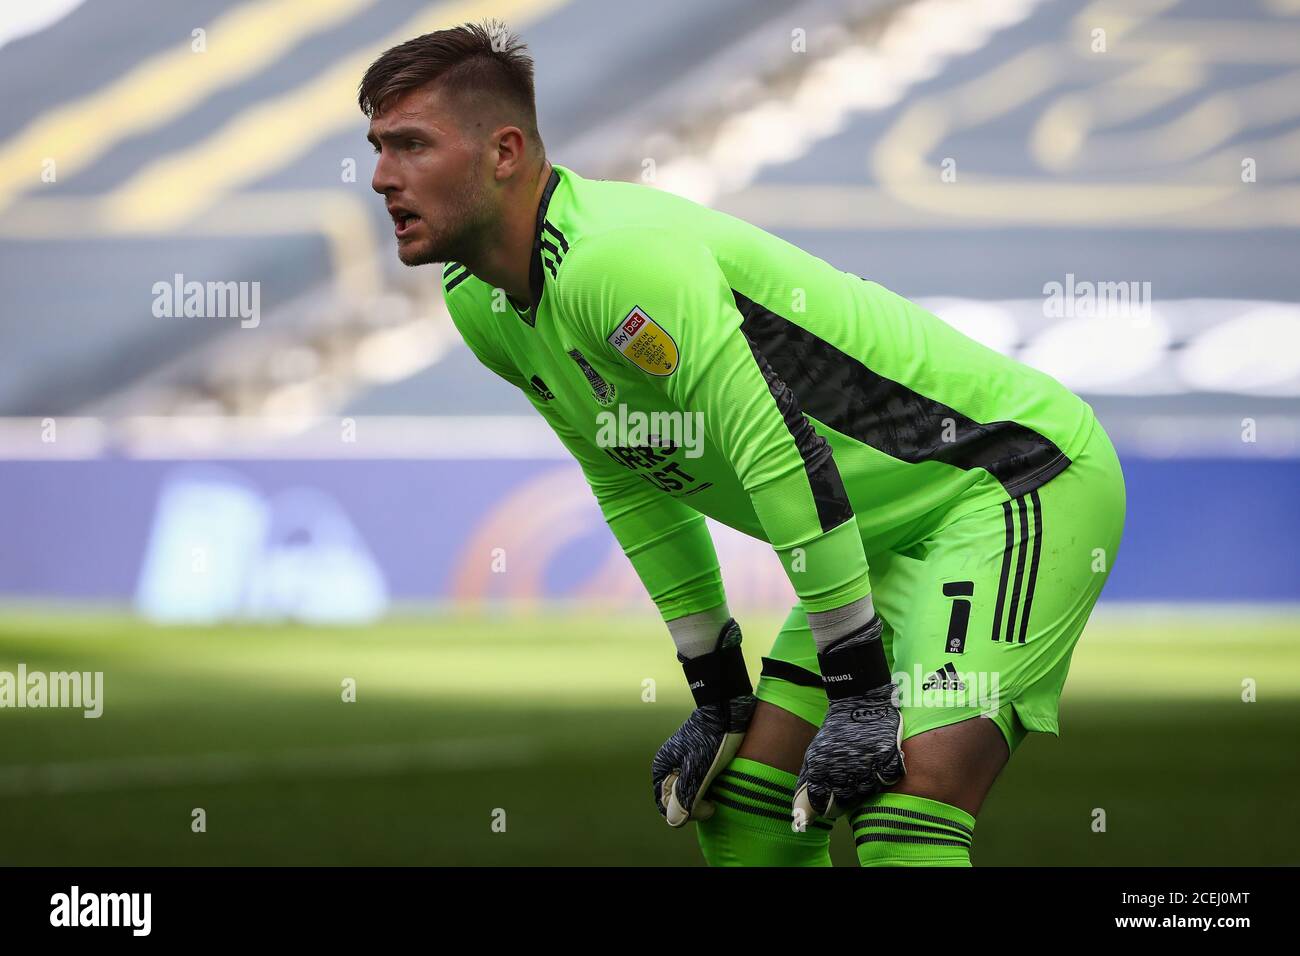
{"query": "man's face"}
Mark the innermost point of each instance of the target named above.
(434, 179)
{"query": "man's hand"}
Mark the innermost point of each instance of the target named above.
(858, 750)
(687, 763)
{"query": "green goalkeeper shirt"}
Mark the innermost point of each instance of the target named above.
(837, 418)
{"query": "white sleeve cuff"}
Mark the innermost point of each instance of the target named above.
(697, 633)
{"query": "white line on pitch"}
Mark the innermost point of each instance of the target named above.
(127, 773)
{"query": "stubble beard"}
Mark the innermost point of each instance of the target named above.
(464, 227)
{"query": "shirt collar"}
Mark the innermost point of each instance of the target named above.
(536, 273)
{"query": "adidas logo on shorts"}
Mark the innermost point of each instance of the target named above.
(945, 678)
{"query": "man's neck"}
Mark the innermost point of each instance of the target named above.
(507, 263)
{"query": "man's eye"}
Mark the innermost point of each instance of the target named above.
(413, 144)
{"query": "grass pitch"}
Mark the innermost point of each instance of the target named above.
(526, 739)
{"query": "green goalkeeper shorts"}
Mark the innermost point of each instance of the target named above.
(982, 616)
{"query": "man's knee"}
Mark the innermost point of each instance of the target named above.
(777, 737)
(956, 764)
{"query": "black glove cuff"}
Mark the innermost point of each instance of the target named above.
(859, 669)
(720, 675)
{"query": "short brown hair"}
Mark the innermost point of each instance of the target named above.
(477, 59)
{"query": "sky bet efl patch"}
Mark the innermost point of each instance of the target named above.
(645, 343)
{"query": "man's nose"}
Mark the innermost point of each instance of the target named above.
(385, 178)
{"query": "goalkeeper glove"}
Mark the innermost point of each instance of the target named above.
(858, 750)
(724, 703)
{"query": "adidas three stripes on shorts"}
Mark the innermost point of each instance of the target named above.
(982, 616)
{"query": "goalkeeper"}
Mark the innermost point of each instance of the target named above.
(946, 516)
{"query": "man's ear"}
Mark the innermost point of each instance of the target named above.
(509, 141)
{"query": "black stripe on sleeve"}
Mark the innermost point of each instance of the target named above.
(833, 507)
(559, 236)
(457, 280)
(839, 390)
(550, 247)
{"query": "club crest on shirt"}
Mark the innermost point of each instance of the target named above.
(645, 343)
(603, 390)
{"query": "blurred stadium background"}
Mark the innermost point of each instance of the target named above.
(231, 517)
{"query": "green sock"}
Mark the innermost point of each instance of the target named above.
(751, 823)
(896, 829)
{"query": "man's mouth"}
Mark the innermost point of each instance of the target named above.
(403, 220)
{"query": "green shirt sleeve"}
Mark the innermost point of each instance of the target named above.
(784, 466)
(667, 542)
